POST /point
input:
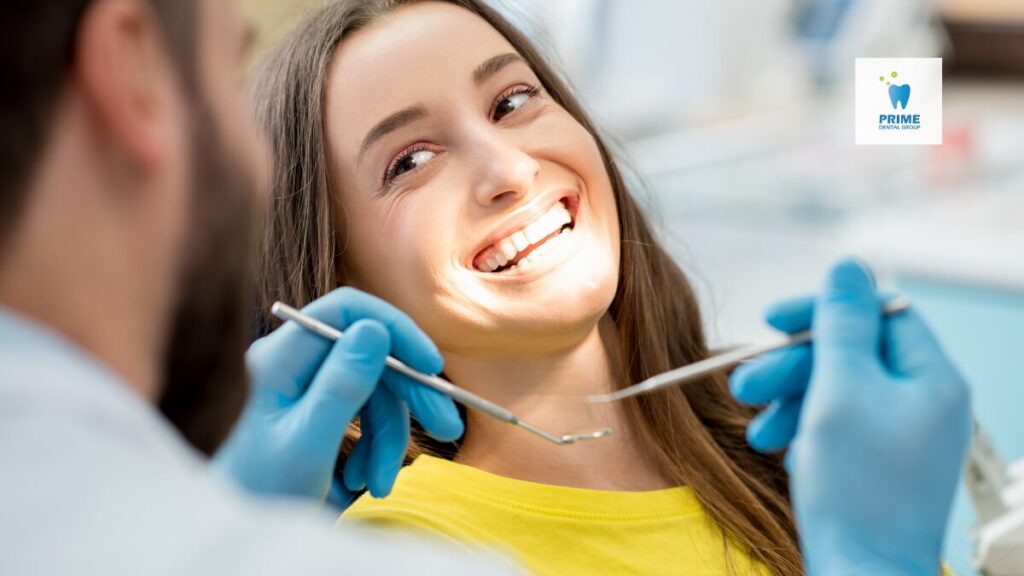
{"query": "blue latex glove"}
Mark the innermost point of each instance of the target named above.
(878, 420)
(306, 390)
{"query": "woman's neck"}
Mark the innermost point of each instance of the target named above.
(549, 393)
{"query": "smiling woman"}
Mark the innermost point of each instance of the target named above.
(425, 152)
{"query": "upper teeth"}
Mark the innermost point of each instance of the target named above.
(503, 251)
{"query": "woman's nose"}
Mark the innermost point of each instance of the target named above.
(505, 172)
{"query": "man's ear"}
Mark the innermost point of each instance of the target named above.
(126, 77)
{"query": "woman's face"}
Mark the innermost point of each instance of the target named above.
(470, 199)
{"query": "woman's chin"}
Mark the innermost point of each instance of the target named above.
(565, 295)
(545, 325)
(553, 307)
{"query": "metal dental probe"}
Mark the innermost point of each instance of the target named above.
(460, 395)
(698, 370)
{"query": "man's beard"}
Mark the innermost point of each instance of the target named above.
(205, 381)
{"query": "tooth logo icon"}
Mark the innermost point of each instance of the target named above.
(899, 94)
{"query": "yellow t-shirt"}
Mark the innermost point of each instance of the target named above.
(557, 530)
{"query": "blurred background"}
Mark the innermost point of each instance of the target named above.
(737, 118)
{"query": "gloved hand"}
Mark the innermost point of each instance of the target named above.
(306, 389)
(879, 422)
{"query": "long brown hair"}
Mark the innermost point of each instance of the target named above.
(698, 433)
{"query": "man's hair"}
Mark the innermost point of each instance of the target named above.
(37, 43)
(204, 377)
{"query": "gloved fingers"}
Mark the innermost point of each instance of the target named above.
(779, 374)
(289, 357)
(339, 496)
(386, 418)
(775, 428)
(787, 461)
(909, 347)
(847, 318)
(790, 316)
(285, 360)
(408, 343)
(436, 413)
(354, 474)
(913, 355)
(344, 383)
(796, 314)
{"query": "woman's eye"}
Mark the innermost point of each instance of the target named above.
(512, 102)
(409, 162)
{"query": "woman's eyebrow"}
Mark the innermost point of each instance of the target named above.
(488, 68)
(390, 124)
(493, 65)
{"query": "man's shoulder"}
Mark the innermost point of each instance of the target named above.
(76, 498)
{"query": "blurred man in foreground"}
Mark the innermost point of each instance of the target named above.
(129, 193)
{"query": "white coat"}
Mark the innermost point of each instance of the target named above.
(93, 480)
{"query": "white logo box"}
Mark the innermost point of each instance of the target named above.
(877, 122)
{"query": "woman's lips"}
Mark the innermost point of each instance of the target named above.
(519, 246)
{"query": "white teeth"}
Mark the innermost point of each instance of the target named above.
(501, 253)
(534, 232)
(508, 249)
(520, 241)
(541, 228)
(549, 223)
(537, 254)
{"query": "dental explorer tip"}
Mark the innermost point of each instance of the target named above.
(596, 435)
